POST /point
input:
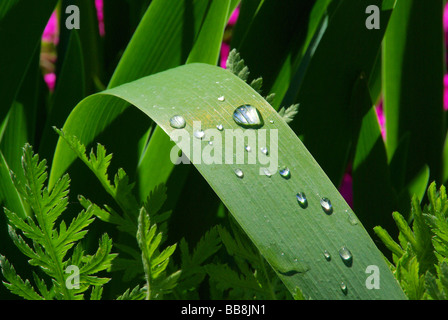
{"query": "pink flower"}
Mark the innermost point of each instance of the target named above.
(51, 32)
(100, 13)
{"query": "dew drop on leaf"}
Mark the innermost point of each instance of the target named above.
(343, 288)
(248, 116)
(264, 150)
(346, 256)
(239, 173)
(220, 127)
(177, 122)
(199, 134)
(327, 255)
(285, 172)
(301, 199)
(326, 205)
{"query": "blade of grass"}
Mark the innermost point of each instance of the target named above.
(324, 82)
(21, 26)
(413, 97)
(290, 238)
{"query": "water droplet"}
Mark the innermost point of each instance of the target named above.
(271, 121)
(220, 127)
(327, 255)
(264, 150)
(210, 142)
(282, 262)
(221, 98)
(344, 288)
(239, 173)
(346, 256)
(351, 218)
(285, 173)
(301, 199)
(247, 148)
(247, 116)
(177, 122)
(199, 134)
(267, 173)
(326, 205)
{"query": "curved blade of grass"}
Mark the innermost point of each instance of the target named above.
(413, 97)
(292, 239)
(374, 199)
(325, 81)
(21, 26)
(287, 27)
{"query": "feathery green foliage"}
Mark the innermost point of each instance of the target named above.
(49, 242)
(420, 257)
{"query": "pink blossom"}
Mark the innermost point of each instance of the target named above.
(100, 13)
(51, 32)
(50, 80)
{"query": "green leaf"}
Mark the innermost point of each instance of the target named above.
(26, 20)
(16, 284)
(413, 99)
(259, 208)
(324, 82)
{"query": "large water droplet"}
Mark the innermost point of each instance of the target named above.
(177, 122)
(247, 116)
(346, 256)
(326, 205)
(239, 173)
(327, 255)
(199, 134)
(285, 172)
(301, 199)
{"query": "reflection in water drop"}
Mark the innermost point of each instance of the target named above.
(326, 205)
(239, 173)
(177, 122)
(247, 116)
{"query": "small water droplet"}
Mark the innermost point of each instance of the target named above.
(327, 255)
(210, 142)
(285, 172)
(264, 150)
(220, 127)
(239, 173)
(177, 122)
(267, 173)
(247, 148)
(301, 199)
(326, 205)
(344, 288)
(351, 218)
(199, 134)
(346, 256)
(221, 98)
(247, 116)
(271, 121)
